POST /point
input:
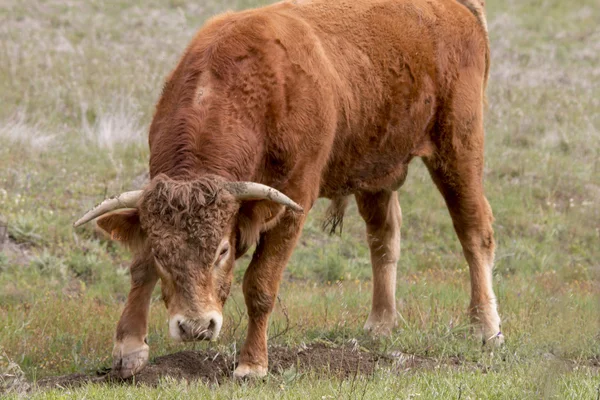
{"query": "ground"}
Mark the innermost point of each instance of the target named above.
(78, 81)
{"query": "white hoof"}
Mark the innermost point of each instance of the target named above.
(380, 326)
(246, 371)
(129, 357)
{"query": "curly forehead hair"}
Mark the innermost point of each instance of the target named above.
(198, 209)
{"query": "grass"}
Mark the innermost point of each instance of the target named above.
(77, 87)
(442, 383)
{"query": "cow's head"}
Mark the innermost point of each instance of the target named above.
(187, 229)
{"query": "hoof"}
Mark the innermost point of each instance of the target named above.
(247, 371)
(379, 326)
(129, 358)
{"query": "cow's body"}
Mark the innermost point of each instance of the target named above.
(357, 87)
(331, 99)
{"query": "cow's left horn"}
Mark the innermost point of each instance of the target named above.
(124, 200)
(257, 191)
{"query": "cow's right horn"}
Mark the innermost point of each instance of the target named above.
(258, 191)
(124, 200)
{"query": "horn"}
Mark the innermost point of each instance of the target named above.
(257, 191)
(124, 200)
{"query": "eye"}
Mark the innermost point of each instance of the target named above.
(223, 252)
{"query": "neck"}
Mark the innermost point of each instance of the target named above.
(232, 156)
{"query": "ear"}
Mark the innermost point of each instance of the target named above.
(247, 234)
(125, 227)
(255, 217)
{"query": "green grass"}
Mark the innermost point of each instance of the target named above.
(517, 383)
(77, 88)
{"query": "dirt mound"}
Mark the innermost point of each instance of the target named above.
(213, 367)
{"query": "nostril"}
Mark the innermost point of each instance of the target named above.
(211, 325)
(179, 328)
(182, 328)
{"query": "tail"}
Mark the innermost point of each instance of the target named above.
(334, 219)
(477, 7)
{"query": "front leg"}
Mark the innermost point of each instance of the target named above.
(261, 284)
(131, 352)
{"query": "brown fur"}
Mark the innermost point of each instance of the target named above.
(124, 226)
(185, 222)
(323, 98)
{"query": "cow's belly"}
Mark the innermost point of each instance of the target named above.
(372, 170)
(375, 156)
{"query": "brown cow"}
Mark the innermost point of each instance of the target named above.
(311, 99)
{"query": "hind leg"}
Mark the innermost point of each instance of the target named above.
(381, 212)
(472, 218)
(456, 167)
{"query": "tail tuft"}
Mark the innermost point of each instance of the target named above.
(334, 219)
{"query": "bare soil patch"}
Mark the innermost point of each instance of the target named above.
(213, 367)
(16, 253)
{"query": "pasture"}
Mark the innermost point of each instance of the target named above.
(78, 83)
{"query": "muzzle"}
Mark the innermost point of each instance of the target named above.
(207, 327)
